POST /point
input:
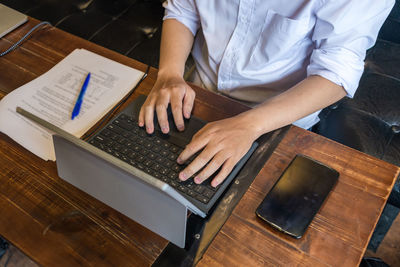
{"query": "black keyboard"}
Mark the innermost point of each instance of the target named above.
(153, 154)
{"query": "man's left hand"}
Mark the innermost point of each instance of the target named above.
(224, 143)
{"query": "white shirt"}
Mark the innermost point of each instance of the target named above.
(254, 49)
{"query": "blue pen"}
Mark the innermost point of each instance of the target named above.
(78, 103)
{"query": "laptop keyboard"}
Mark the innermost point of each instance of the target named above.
(153, 154)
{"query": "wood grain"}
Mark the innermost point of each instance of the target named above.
(53, 222)
(56, 224)
(340, 232)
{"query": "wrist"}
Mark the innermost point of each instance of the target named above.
(251, 121)
(169, 73)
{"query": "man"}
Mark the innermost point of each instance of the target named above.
(288, 59)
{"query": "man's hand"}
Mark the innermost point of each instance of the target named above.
(167, 90)
(224, 143)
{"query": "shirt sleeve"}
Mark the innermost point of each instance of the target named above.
(183, 11)
(343, 31)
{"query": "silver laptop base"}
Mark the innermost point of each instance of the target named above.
(117, 188)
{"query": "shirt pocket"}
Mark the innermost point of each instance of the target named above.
(279, 38)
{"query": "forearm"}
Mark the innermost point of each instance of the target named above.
(176, 44)
(308, 96)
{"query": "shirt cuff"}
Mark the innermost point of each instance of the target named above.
(188, 18)
(340, 66)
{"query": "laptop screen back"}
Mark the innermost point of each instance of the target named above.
(10, 19)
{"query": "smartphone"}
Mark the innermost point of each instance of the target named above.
(297, 196)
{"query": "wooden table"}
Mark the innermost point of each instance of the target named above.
(58, 225)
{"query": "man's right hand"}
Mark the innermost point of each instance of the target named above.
(167, 90)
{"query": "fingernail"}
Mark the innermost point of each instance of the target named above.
(187, 115)
(197, 180)
(182, 176)
(164, 129)
(140, 124)
(179, 160)
(215, 183)
(180, 127)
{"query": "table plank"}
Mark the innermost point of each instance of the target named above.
(73, 224)
(31, 193)
(340, 232)
(56, 224)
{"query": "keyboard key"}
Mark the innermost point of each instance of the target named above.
(201, 198)
(124, 141)
(106, 133)
(148, 163)
(157, 175)
(172, 175)
(115, 129)
(176, 168)
(140, 158)
(124, 150)
(164, 179)
(183, 189)
(208, 193)
(156, 149)
(99, 139)
(133, 155)
(191, 193)
(157, 141)
(172, 157)
(148, 145)
(140, 166)
(156, 166)
(166, 145)
(123, 124)
(174, 149)
(199, 188)
(160, 160)
(127, 135)
(164, 153)
(173, 184)
(163, 170)
(168, 163)
(144, 152)
(153, 154)
(190, 184)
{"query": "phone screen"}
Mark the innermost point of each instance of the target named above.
(297, 196)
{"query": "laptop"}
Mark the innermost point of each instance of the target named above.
(136, 173)
(10, 19)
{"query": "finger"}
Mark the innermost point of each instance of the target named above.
(197, 164)
(226, 169)
(142, 111)
(195, 145)
(176, 106)
(210, 169)
(188, 102)
(141, 117)
(161, 109)
(149, 116)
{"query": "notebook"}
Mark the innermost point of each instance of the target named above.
(156, 154)
(136, 173)
(10, 19)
